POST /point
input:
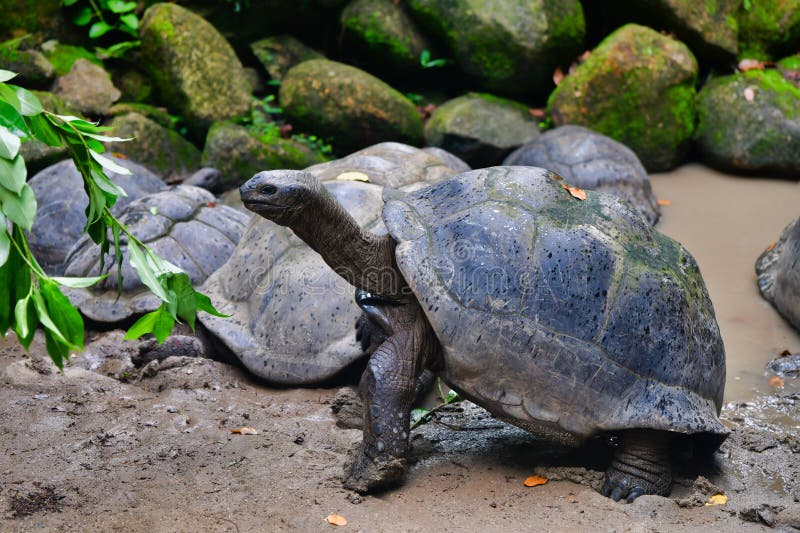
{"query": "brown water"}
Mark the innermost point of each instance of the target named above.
(726, 222)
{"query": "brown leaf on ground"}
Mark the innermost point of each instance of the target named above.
(750, 64)
(664, 202)
(771, 247)
(535, 481)
(576, 192)
(749, 94)
(353, 176)
(776, 382)
(336, 520)
(245, 431)
(717, 499)
(537, 113)
(558, 75)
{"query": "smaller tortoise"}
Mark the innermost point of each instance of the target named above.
(182, 224)
(593, 161)
(778, 271)
(60, 214)
(565, 318)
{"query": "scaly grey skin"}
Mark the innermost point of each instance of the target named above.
(295, 199)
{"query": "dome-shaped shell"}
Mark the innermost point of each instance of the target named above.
(591, 160)
(292, 317)
(61, 209)
(562, 316)
(182, 225)
(778, 272)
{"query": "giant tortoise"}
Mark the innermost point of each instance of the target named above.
(567, 318)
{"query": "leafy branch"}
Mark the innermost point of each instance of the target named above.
(104, 16)
(420, 416)
(25, 288)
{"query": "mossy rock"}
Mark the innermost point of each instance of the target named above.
(33, 68)
(63, 56)
(769, 28)
(161, 150)
(158, 115)
(88, 88)
(238, 154)
(480, 128)
(134, 85)
(384, 35)
(193, 67)
(279, 53)
(789, 67)
(750, 122)
(43, 18)
(348, 106)
(507, 47)
(637, 87)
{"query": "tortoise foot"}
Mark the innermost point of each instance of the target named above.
(365, 475)
(640, 466)
(618, 486)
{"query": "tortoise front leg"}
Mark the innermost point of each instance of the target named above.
(387, 390)
(640, 466)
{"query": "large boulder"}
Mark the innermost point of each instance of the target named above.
(31, 65)
(63, 56)
(480, 128)
(384, 34)
(779, 275)
(161, 150)
(590, 160)
(279, 53)
(193, 67)
(507, 47)
(238, 153)
(88, 88)
(769, 28)
(348, 106)
(46, 19)
(637, 87)
(750, 122)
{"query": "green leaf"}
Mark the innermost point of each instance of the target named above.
(143, 326)
(187, 302)
(56, 349)
(6, 75)
(9, 144)
(63, 314)
(108, 164)
(145, 271)
(78, 283)
(163, 325)
(120, 6)
(10, 118)
(28, 102)
(8, 95)
(13, 174)
(68, 3)
(20, 209)
(130, 20)
(83, 17)
(42, 129)
(5, 245)
(6, 286)
(98, 29)
(25, 320)
(204, 304)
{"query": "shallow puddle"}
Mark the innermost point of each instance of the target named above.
(726, 222)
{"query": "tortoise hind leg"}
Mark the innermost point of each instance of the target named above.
(640, 466)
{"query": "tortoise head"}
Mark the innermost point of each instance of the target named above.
(281, 195)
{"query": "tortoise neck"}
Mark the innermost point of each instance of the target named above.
(363, 259)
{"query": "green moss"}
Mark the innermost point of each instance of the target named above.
(790, 63)
(63, 56)
(711, 7)
(770, 27)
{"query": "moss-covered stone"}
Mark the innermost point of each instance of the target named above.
(384, 34)
(348, 106)
(637, 87)
(134, 85)
(161, 150)
(34, 70)
(158, 115)
(193, 67)
(507, 47)
(43, 18)
(88, 88)
(238, 154)
(750, 122)
(280, 53)
(63, 56)
(769, 28)
(789, 67)
(480, 128)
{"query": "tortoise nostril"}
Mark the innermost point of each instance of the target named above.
(269, 189)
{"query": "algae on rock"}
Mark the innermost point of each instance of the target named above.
(637, 87)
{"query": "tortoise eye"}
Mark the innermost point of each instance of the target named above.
(268, 189)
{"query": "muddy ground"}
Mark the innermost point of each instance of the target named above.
(153, 451)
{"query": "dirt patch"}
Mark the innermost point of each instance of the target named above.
(85, 451)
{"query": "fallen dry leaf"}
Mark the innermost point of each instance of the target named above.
(336, 520)
(749, 94)
(786, 353)
(717, 499)
(353, 176)
(558, 75)
(664, 202)
(535, 481)
(771, 247)
(537, 113)
(750, 64)
(584, 56)
(776, 382)
(576, 192)
(245, 431)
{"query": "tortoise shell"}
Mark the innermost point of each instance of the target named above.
(778, 271)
